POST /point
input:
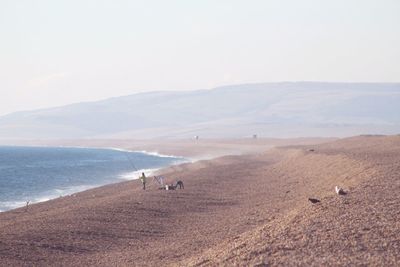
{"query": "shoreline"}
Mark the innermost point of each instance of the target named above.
(186, 148)
(242, 210)
(74, 189)
(150, 153)
(208, 155)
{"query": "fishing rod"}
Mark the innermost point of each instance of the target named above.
(130, 161)
(155, 179)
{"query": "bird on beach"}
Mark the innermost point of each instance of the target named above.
(314, 200)
(339, 190)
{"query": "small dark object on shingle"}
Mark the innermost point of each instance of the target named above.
(314, 200)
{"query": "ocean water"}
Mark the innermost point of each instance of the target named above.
(38, 174)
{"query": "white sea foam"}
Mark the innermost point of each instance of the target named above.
(61, 192)
(8, 205)
(55, 193)
(151, 153)
(116, 149)
(136, 174)
(155, 153)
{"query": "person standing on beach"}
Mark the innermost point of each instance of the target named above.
(143, 179)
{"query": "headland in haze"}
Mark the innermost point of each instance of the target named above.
(285, 110)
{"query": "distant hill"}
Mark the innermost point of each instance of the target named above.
(287, 109)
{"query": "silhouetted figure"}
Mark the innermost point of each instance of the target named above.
(180, 184)
(143, 179)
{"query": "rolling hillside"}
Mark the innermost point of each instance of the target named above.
(270, 110)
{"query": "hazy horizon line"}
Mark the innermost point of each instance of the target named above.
(194, 90)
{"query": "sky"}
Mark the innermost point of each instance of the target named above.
(59, 52)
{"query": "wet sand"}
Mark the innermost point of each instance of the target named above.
(245, 210)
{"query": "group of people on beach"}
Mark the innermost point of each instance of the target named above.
(160, 180)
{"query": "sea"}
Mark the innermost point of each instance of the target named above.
(37, 174)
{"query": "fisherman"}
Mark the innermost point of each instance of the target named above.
(143, 179)
(180, 184)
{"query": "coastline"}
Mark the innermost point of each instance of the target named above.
(201, 149)
(249, 209)
(100, 147)
(60, 192)
(208, 149)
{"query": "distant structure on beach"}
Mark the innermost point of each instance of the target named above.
(196, 137)
(254, 136)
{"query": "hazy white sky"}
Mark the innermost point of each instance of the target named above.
(59, 52)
